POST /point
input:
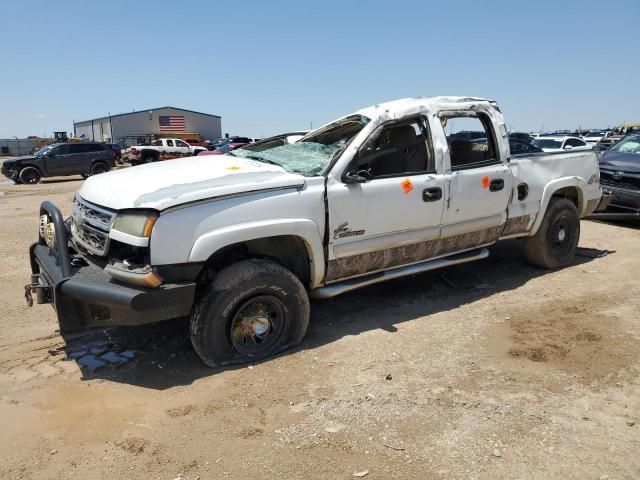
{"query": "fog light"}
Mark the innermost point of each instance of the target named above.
(50, 235)
(44, 219)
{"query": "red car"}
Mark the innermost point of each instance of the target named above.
(224, 149)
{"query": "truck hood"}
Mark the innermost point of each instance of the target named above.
(161, 185)
(627, 162)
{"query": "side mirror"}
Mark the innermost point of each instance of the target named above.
(356, 176)
(567, 147)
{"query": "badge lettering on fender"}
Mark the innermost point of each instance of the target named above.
(343, 230)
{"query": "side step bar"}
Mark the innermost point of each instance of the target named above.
(336, 289)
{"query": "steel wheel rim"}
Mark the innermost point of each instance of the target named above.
(257, 325)
(561, 235)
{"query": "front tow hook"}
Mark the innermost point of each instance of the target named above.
(42, 291)
(27, 293)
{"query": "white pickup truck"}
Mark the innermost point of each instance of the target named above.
(160, 149)
(240, 244)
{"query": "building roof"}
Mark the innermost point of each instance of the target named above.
(145, 110)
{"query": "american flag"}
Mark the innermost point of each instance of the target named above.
(171, 123)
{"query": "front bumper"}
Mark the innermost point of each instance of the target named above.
(85, 296)
(624, 199)
(624, 204)
(12, 174)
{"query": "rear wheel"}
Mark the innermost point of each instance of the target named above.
(554, 244)
(29, 175)
(252, 310)
(148, 157)
(98, 168)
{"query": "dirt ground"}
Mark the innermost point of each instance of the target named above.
(490, 370)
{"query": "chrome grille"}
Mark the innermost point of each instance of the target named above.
(90, 226)
(95, 216)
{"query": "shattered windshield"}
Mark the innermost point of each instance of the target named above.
(629, 144)
(311, 155)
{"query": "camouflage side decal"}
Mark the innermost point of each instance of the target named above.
(406, 254)
(516, 225)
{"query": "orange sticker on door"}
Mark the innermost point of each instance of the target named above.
(407, 185)
(486, 181)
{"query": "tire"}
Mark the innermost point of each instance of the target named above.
(99, 167)
(554, 244)
(29, 175)
(276, 299)
(148, 157)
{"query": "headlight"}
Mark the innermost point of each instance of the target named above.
(138, 224)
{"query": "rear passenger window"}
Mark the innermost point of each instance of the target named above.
(574, 142)
(397, 149)
(76, 148)
(86, 148)
(169, 143)
(471, 141)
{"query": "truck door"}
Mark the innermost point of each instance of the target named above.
(385, 208)
(478, 179)
(182, 147)
(170, 147)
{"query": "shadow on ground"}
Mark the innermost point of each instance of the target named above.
(632, 223)
(163, 357)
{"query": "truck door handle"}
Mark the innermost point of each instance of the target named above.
(495, 185)
(431, 194)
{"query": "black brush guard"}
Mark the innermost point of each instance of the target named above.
(84, 296)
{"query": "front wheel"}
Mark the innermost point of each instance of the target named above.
(29, 175)
(554, 244)
(252, 310)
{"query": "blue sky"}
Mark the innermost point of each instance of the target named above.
(269, 67)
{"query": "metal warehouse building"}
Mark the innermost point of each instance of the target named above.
(133, 128)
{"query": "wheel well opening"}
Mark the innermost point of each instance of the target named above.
(287, 250)
(30, 166)
(570, 193)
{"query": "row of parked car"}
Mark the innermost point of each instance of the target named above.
(619, 164)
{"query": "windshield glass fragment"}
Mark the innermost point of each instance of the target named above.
(311, 155)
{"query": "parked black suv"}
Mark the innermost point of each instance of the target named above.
(60, 159)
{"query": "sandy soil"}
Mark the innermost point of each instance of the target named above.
(489, 370)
